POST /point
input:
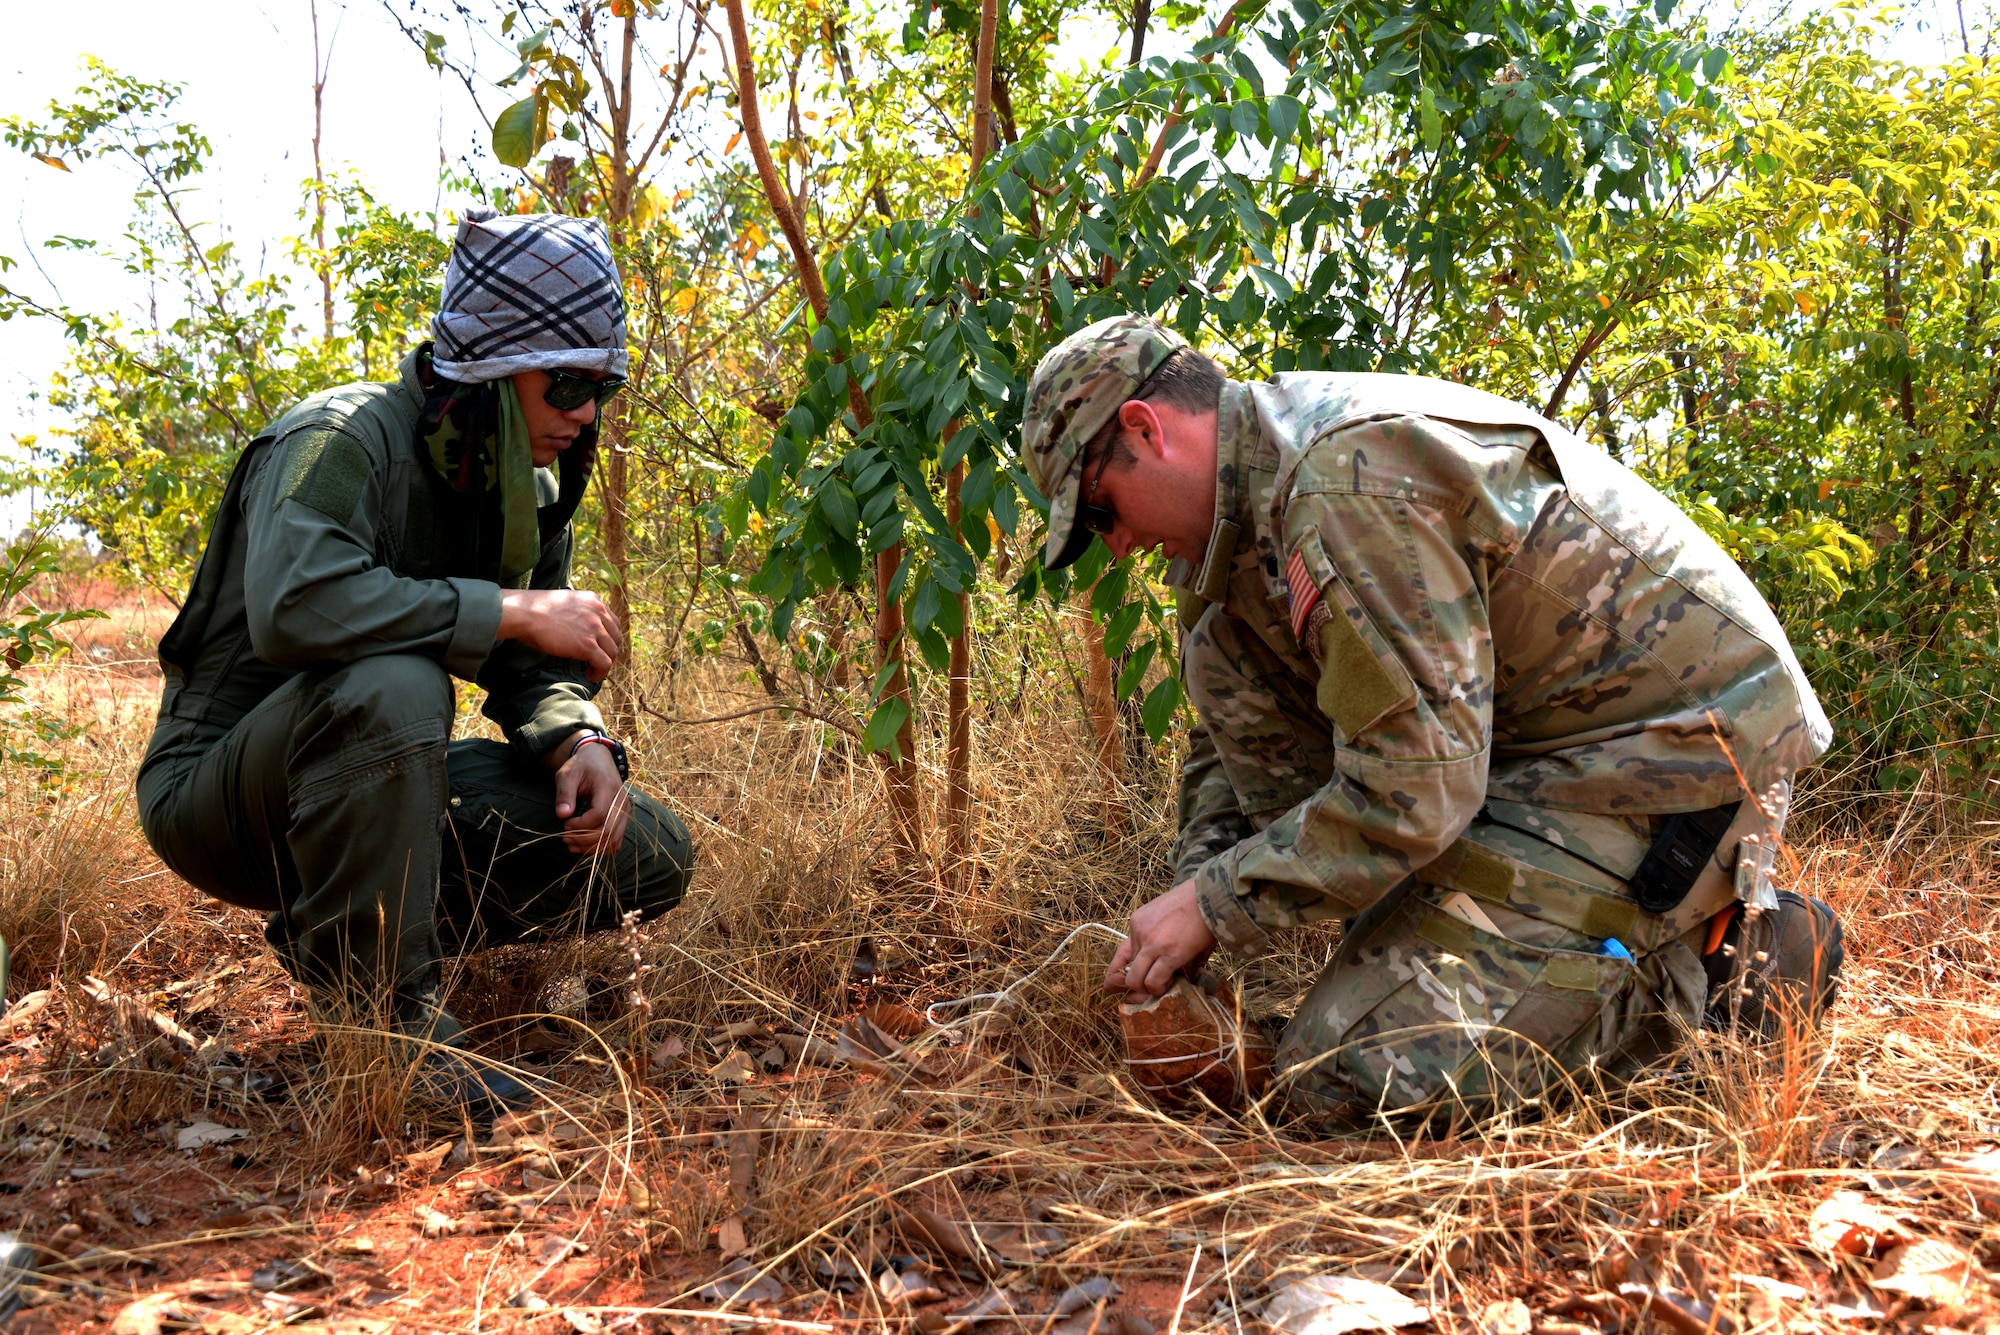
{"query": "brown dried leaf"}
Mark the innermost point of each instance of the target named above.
(1934, 1271)
(1679, 1312)
(1336, 1304)
(149, 1315)
(252, 1217)
(1509, 1316)
(512, 1124)
(1978, 1175)
(555, 1248)
(907, 1288)
(428, 1161)
(934, 1230)
(740, 1284)
(733, 1069)
(816, 1051)
(1096, 1289)
(870, 1036)
(667, 1055)
(896, 1020)
(23, 1012)
(1849, 1224)
(743, 1139)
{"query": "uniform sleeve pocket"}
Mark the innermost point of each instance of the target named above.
(1362, 680)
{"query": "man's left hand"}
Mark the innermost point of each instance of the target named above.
(591, 801)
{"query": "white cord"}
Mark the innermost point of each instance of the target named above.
(1006, 993)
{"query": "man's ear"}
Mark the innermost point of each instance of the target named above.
(1148, 434)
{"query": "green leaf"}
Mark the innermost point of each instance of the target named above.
(886, 533)
(1243, 118)
(836, 506)
(935, 649)
(1110, 591)
(924, 607)
(1431, 122)
(1393, 28)
(1135, 671)
(990, 384)
(1064, 293)
(1118, 630)
(1284, 113)
(520, 131)
(977, 492)
(884, 724)
(1157, 714)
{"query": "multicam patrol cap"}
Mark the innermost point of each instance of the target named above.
(1077, 387)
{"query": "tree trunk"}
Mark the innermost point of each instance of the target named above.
(958, 748)
(619, 715)
(1103, 700)
(902, 770)
(613, 457)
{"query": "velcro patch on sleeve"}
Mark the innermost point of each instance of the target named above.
(1361, 680)
(326, 470)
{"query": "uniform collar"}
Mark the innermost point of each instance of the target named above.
(1235, 417)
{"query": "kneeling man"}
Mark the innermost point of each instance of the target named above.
(374, 543)
(1467, 684)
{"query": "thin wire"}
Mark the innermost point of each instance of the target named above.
(1006, 994)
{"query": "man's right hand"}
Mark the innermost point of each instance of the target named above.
(562, 623)
(1169, 935)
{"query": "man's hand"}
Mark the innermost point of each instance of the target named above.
(563, 623)
(590, 798)
(1168, 935)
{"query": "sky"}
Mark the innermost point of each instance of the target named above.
(248, 70)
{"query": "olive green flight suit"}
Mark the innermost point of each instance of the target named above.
(301, 764)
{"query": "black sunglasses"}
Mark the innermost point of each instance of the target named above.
(1098, 519)
(567, 390)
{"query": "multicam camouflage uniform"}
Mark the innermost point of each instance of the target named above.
(1441, 649)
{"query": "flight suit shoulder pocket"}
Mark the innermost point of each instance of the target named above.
(325, 469)
(1362, 680)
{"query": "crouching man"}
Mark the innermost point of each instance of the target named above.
(374, 543)
(1464, 682)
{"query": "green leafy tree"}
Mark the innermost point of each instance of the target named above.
(158, 411)
(1296, 193)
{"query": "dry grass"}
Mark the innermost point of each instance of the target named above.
(1689, 1181)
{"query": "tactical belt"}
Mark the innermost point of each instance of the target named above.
(1665, 876)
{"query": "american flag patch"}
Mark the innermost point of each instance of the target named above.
(1304, 593)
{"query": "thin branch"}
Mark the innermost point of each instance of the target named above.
(830, 720)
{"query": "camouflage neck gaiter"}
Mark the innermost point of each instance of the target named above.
(476, 437)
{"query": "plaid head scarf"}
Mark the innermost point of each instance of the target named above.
(529, 291)
(534, 291)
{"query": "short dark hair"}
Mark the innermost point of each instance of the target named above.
(1189, 380)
